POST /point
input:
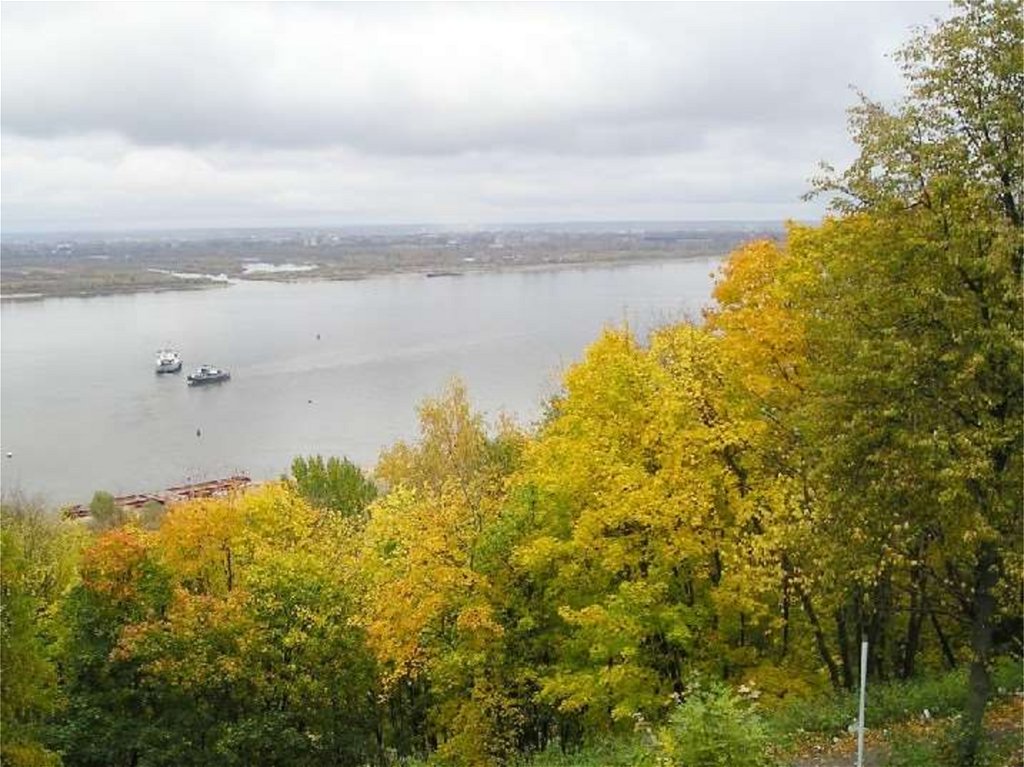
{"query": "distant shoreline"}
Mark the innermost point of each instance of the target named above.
(86, 268)
(99, 292)
(100, 286)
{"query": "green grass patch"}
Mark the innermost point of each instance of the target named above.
(940, 695)
(910, 749)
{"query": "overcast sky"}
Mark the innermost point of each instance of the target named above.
(165, 115)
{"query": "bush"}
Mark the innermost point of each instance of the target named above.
(942, 695)
(712, 727)
(105, 513)
(611, 752)
(781, 685)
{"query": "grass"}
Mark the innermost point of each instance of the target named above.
(941, 695)
(897, 707)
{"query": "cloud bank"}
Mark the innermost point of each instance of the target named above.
(160, 115)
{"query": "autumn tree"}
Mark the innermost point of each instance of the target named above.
(920, 341)
(651, 540)
(223, 637)
(763, 343)
(38, 556)
(429, 606)
(109, 715)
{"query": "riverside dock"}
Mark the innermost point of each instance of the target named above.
(210, 489)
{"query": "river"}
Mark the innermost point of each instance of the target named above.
(81, 408)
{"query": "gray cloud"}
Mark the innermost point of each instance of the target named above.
(430, 111)
(434, 79)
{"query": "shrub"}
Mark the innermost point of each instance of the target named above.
(712, 727)
(781, 685)
(106, 514)
(609, 752)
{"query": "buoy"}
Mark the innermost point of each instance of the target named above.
(199, 433)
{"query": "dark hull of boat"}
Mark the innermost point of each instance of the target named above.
(193, 381)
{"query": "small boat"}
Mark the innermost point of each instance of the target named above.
(208, 374)
(168, 361)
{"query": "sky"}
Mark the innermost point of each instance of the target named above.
(121, 116)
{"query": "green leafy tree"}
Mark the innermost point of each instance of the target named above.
(28, 683)
(104, 511)
(919, 347)
(38, 556)
(338, 485)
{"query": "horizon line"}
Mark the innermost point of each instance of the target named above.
(482, 226)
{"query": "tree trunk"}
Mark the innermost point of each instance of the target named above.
(229, 568)
(947, 651)
(980, 685)
(843, 635)
(918, 606)
(785, 615)
(819, 636)
(876, 627)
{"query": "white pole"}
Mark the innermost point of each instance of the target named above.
(860, 715)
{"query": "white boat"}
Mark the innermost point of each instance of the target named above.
(168, 361)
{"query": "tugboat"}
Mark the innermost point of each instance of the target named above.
(167, 361)
(208, 374)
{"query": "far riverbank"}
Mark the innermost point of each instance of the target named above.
(32, 270)
(89, 285)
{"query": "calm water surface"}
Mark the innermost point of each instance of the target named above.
(81, 408)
